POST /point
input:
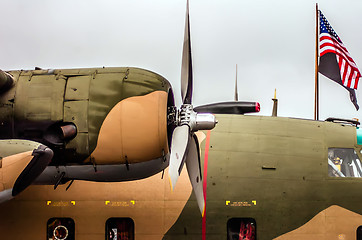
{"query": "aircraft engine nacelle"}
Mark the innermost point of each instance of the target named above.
(102, 124)
(134, 131)
(21, 163)
(132, 143)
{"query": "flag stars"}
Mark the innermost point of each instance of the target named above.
(326, 27)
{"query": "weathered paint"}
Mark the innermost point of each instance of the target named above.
(43, 99)
(11, 168)
(149, 202)
(21, 162)
(276, 165)
(15, 155)
(281, 164)
(332, 223)
(135, 130)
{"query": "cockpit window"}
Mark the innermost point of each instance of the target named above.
(344, 162)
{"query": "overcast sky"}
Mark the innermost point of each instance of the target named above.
(273, 43)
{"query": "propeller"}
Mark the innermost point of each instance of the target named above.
(187, 120)
(229, 108)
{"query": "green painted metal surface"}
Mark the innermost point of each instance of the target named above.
(41, 98)
(281, 164)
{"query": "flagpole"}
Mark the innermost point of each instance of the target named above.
(316, 87)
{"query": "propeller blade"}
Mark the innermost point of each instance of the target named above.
(180, 140)
(229, 108)
(41, 159)
(193, 166)
(186, 68)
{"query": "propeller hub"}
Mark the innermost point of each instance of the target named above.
(187, 116)
(204, 121)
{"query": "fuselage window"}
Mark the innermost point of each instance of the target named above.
(119, 229)
(344, 162)
(359, 233)
(241, 228)
(60, 229)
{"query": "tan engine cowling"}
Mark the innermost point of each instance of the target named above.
(22, 162)
(134, 131)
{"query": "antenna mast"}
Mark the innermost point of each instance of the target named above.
(236, 84)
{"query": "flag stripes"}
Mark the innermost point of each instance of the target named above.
(329, 42)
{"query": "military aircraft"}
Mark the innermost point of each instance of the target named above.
(85, 154)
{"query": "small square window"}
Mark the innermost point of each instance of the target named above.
(119, 229)
(60, 229)
(241, 228)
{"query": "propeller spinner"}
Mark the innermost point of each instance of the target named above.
(184, 144)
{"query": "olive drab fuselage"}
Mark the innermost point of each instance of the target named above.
(272, 170)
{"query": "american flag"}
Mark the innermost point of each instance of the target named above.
(329, 42)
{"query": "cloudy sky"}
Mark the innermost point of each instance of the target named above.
(272, 42)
